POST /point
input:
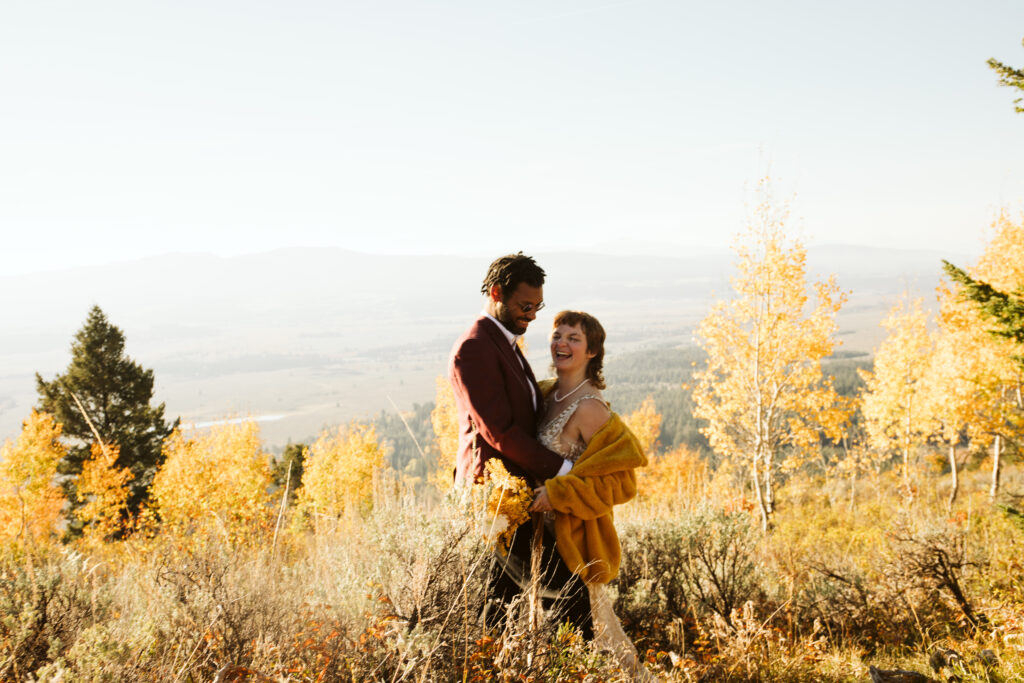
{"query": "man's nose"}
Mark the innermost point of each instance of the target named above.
(531, 314)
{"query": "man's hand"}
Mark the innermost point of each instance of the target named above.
(540, 501)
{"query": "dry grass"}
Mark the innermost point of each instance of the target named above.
(393, 596)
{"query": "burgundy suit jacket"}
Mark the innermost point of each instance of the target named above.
(495, 406)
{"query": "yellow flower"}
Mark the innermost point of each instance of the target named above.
(508, 501)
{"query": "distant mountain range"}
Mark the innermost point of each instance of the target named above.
(313, 337)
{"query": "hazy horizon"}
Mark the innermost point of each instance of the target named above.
(316, 337)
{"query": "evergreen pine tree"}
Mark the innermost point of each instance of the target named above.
(1011, 78)
(287, 470)
(115, 393)
(1004, 308)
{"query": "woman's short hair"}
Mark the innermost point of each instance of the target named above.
(595, 341)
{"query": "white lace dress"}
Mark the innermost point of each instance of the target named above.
(608, 633)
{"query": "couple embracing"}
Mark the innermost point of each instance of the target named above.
(561, 437)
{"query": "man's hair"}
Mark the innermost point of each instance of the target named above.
(509, 271)
(594, 333)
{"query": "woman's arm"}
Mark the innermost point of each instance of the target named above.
(590, 416)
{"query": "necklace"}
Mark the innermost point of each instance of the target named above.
(558, 398)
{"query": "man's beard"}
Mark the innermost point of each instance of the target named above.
(506, 318)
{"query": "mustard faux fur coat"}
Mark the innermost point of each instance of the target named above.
(603, 476)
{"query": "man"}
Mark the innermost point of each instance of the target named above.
(499, 402)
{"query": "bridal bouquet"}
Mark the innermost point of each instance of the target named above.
(507, 505)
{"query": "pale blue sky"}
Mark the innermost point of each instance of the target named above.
(133, 128)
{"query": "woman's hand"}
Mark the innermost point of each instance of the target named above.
(540, 501)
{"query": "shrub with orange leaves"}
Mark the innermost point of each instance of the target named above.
(215, 480)
(678, 478)
(102, 490)
(339, 471)
(30, 500)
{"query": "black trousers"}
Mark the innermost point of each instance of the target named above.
(563, 593)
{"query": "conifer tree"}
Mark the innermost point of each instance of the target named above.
(1005, 309)
(287, 470)
(1011, 78)
(994, 288)
(107, 388)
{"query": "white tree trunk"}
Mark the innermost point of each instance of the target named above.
(997, 449)
(756, 480)
(955, 481)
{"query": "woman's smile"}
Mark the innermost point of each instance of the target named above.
(569, 347)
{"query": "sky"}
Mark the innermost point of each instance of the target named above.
(134, 128)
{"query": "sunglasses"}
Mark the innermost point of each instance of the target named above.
(526, 308)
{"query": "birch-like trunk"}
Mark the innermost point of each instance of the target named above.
(756, 480)
(997, 449)
(906, 459)
(955, 482)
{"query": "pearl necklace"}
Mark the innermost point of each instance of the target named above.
(559, 399)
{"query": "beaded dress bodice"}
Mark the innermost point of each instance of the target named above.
(549, 433)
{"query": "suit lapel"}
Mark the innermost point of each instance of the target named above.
(508, 354)
(529, 376)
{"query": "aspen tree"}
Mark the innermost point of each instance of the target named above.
(445, 420)
(102, 490)
(762, 391)
(214, 481)
(30, 500)
(645, 423)
(339, 471)
(893, 403)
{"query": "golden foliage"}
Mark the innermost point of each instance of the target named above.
(214, 480)
(103, 490)
(645, 423)
(678, 479)
(975, 381)
(339, 471)
(762, 389)
(445, 420)
(893, 402)
(30, 500)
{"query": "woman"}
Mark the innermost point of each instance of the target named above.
(578, 425)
